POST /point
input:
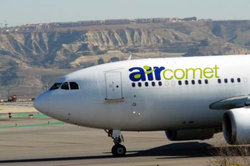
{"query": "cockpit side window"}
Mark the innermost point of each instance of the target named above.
(55, 86)
(65, 86)
(74, 86)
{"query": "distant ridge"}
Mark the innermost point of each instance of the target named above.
(36, 57)
(56, 25)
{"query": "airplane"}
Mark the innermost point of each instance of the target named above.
(190, 98)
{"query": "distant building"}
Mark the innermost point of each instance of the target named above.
(190, 19)
(116, 21)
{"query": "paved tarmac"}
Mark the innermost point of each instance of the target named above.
(45, 141)
(16, 107)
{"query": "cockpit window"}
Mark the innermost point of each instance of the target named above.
(73, 86)
(65, 86)
(56, 86)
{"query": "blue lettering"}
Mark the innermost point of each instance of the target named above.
(150, 74)
(158, 71)
(138, 75)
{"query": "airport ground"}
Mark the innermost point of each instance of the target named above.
(40, 140)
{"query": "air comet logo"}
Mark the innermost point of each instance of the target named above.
(157, 73)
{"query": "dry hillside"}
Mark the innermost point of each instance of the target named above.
(30, 60)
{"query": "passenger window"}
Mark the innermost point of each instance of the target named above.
(206, 81)
(153, 83)
(65, 86)
(55, 86)
(74, 86)
(225, 80)
(193, 82)
(146, 84)
(179, 82)
(133, 84)
(219, 81)
(199, 82)
(238, 79)
(160, 83)
(232, 80)
(139, 84)
(186, 82)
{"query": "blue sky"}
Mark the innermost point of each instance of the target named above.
(17, 12)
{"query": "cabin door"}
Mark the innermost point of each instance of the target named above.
(113, 85)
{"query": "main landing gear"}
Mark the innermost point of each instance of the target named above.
(118, 150)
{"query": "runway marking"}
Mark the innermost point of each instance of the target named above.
(27, 115)
(33, 125)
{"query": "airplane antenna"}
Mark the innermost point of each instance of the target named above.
(130, 57)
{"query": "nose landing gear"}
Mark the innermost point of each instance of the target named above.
(118, 150)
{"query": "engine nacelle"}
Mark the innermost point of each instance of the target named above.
(236, 126)
(189, 134)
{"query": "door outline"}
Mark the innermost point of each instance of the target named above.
(118, 74)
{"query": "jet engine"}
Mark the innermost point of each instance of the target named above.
(189, 134)
(236, 126)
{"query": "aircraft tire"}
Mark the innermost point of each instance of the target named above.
(119, 150)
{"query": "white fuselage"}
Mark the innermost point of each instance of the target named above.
(107, 99)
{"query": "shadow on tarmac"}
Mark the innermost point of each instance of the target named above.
(174, 150)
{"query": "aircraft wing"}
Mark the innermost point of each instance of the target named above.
(230, 103)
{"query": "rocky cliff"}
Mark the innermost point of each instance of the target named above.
(32, 59)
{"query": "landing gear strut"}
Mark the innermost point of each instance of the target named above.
(118, 150)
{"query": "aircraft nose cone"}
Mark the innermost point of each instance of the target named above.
(41, 103)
